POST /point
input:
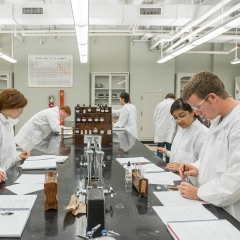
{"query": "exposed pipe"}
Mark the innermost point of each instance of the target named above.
(196, 21)
(194, 33)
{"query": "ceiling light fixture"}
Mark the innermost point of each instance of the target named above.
(80, 16)
(206, 37)
(7, 57)
(236, 60)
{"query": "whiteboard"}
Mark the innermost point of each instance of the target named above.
(50, 71)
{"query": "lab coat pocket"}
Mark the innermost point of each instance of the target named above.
(221, 153)
(184, 156)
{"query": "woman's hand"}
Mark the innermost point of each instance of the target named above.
(186, 169)
(25, 154)
(173, 166)
(188, 191)
(2, 176)
(162, 150)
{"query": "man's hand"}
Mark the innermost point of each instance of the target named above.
(25, 154)
(173, 166)
(2, 176)
(186, 169)
(188, 191)
(162, 150)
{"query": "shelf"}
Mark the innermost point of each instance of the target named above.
(118, 88)
(101, 88)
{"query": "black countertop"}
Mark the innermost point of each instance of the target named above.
(127, 214)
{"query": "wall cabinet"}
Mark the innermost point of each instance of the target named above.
(5, 80)
(237, 88)
(181, 81)
(107, 87)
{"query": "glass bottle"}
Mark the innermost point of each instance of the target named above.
(106, 110)
(102, 109)
(96, 119)
(89, 109)
(128, 172)
(95, 130)
(77, 130)
(98, 109)
(89, 119)
(84, 120)
(78, 108)
(78, 119)
(84, 109)
(101, 119)
(102, 131)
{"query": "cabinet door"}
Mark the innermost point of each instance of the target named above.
(119, 83)
(237, 88)
(181, 81)
(5, 80)
(100, 89)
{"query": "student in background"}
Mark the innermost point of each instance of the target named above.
(190, 137)
(127, 115)
(12, 103)
(217, 172)
(163, 125)
(41, 125)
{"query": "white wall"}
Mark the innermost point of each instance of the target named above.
(111, 54)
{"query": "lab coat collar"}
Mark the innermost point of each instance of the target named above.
(228, 119)
(3, 119)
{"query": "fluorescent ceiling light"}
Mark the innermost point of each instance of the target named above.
(82, 34)
(206, 37)
(80, 12)
(83, 58)
(235, 61)
(83, 49)
(7, 57)
(3, 78)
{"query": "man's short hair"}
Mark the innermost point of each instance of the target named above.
(67, 109)
(203, 83)
(170, 95)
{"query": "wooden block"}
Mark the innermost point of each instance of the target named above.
(50, 191)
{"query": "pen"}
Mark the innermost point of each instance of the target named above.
(6, 213)
(173, 187)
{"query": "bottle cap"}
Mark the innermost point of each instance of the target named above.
(129, 163)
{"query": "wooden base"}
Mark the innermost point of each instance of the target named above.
(50, 191)
(140, 183)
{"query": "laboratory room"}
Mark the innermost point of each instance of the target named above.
(120, 119)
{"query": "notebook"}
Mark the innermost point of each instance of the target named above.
(203, 230)
(14, 214)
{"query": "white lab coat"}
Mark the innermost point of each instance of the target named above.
(38, 127)
(127, 118)
(188, 142)
(8, 153)
(219, 164)
(162, 120)
(126, 140)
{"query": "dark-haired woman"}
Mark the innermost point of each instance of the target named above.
(189, 139)
(127, 115)
(12, 103)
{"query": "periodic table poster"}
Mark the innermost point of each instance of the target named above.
(50, 70)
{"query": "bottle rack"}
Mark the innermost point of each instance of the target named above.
(84, 127)
(140, 183)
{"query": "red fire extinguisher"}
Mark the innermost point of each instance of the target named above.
(51, 101)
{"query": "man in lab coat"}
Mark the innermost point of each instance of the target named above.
(164, 126)
(41, 125)
(217, 172)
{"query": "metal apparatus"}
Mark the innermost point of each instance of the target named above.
(92, 185)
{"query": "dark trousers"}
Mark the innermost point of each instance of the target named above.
(168, 147)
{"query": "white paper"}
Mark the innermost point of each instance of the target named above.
(25, 188)
(134, 160)
(204, 230)
(162, 178)
(61, 159)
(148, 167)
(174, 198)
(183, 213)
(41, 157)
(11, 202)
(31, 178)
(13, 225)
(43, 164)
